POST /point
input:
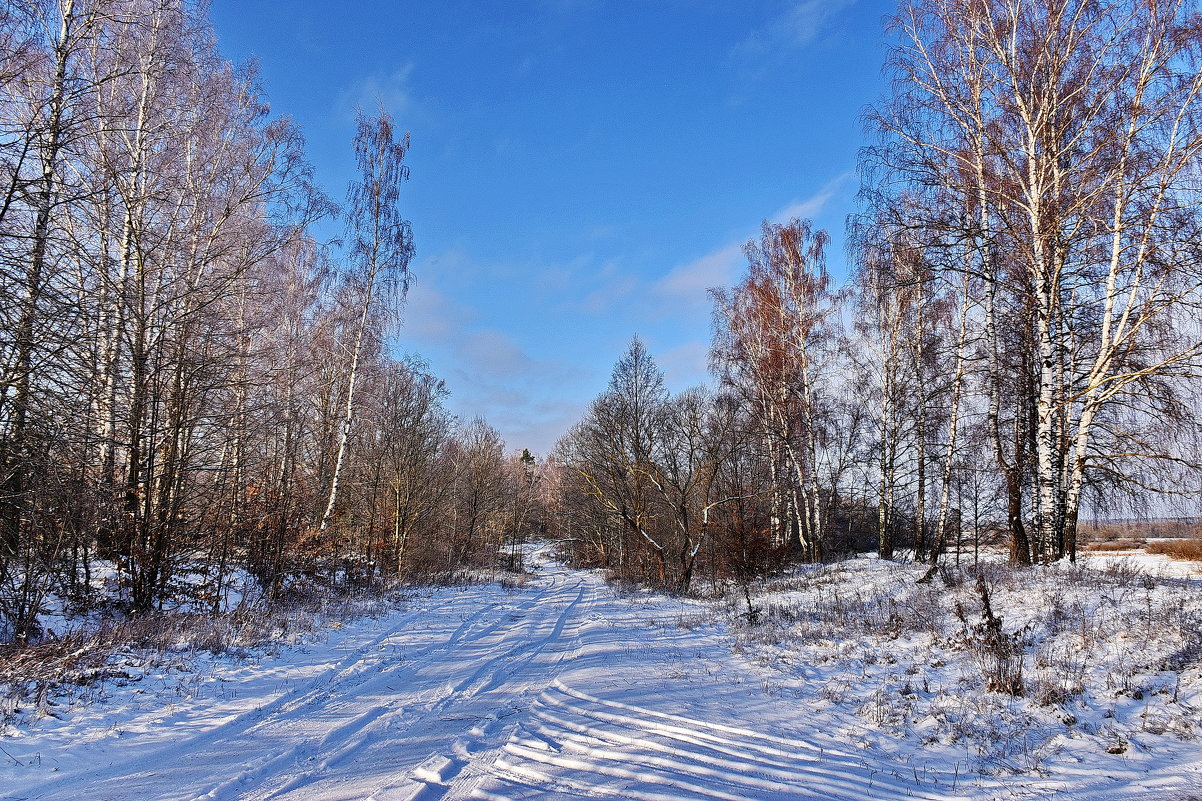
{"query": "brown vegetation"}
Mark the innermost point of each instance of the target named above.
(1173, 538)
(1115, 545)
(1188, 550)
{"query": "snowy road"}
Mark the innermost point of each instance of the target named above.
(557, 690)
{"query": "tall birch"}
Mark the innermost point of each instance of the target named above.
(380, 251)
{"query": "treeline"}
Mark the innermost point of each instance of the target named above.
(1019, 338)
(193, 390)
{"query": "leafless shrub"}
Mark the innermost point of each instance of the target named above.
(998, 653)
(1048, 690)
(883, 709)
(512, 581)
(911, 659)
(1121, 573)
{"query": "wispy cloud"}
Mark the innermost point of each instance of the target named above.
(687, 285)
(393, 92)
(531, 399)
(685, 366)
(431, 314)
(813, 205)
(803, 22)
(493, 354)
(586, 285)
(540, 427)
(694, 279)
(797, 25)
(614, 287)
(495, 377)
(488, 372)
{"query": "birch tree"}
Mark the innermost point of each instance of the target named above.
(381, 247)
(1057, 140)
(774, 341)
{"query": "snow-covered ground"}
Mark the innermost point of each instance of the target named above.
(1149, 564)
(562, 689)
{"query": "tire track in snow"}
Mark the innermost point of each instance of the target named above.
(579, 746)
(485, 687)
(371, 668)
(373, 728)
(481, 753)
(489, 692)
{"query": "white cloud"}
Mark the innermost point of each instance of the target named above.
(615, 288)
(804, 21)
(540, 426)
(531, 399)
(391, 91)
(493, 354)
(493, 377)
(813, 205)
(798, 25)
(688, 285)
(685, 366)
(488, 373)
(586, 285)
(694, 279)
(431, 315)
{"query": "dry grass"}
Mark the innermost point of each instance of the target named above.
(1188, 550)
(1098, 654)
(1174, 539)
(1107, 536)
(32, 676)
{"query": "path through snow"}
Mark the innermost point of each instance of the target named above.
(557, 690)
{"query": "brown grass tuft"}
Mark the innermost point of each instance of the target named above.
(1189, 550)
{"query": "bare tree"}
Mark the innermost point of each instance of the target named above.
(611, 456)
(381, 249)
(1052, 144)
(774, 339)
(416, 428)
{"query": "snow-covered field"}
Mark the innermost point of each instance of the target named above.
(858, 684)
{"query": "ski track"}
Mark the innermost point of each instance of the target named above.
(558, 691)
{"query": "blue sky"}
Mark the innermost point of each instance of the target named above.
(582, 170)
